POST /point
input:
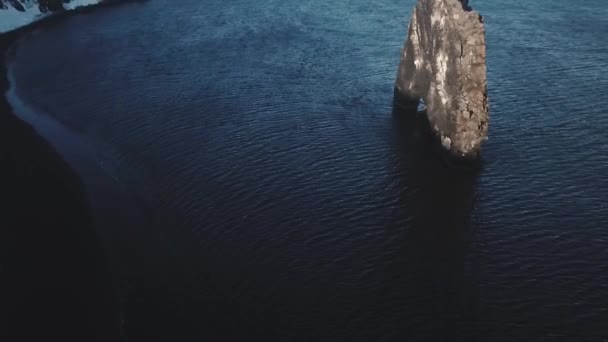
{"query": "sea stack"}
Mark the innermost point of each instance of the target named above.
(443, 62)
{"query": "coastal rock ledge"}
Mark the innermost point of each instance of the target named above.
(443, 62)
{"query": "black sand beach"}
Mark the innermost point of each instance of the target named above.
(54, 280)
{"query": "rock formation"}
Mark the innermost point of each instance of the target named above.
(443, 63)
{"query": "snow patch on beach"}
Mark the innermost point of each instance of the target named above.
(79, 3)
(12, 19)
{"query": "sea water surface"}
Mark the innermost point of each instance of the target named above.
(278, 195)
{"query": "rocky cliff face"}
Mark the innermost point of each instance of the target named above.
(18, 13)
(443, 62)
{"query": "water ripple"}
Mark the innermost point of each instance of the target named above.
(300, 207)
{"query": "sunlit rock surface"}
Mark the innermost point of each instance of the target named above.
(443, 62)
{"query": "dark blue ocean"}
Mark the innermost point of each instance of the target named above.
(252, 181)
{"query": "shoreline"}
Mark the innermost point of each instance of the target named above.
(58, 279)
(59, 15)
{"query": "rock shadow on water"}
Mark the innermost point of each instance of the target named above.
(434, 234)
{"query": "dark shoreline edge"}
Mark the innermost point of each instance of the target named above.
(55, 277)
